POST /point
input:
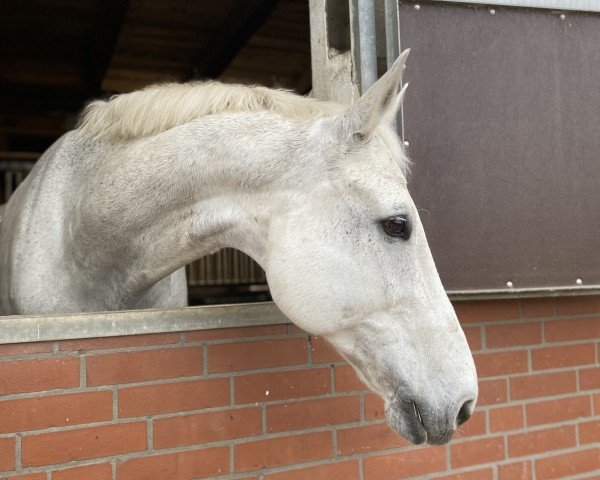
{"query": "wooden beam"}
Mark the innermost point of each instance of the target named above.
(104, 41)
(20, 156)
(36, 99)
(235, 30)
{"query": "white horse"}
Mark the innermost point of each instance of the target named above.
(314, 191)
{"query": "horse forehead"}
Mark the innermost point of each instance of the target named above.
(384, 184)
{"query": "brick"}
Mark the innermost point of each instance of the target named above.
(513, 334)
(572, 329)
(480, 311)
(475, 426)
(579, 305)
(516, 471)
(374, 407)
(313, 413)
(38, 375)
(173, 397)
(228, 357)
(474, 452)
(101, 471)
(54, 411)
(546, 440)
(553, 411)
(589, 379)
(500, 363)
(207, 427)
(14, 349)
(346, 379)
(563, 356)
(491, 392)
(7, 454)
(506, 418)
(83, 443)
(568, 464)
(239, 332)
(367, 438)
(589, 432)
(542, 385)
(473, 335)
(263, 387)
(120, 342)
(596, 402)
(142, 366)
(323, 351)
(537, 307)
(338, 470)
(277, 452)
(192, 464)
(405, 464)
(483, 474)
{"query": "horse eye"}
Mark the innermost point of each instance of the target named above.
(397, 227)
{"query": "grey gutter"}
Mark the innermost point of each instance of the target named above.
(572, 5)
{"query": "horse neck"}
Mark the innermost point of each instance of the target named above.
(186, 193)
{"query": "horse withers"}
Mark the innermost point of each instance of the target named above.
(315, 192)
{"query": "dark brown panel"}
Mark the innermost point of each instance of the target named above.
(503, 120)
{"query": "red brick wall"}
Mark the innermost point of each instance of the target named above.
(270, 403)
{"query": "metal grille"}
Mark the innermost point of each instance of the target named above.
(226, 267)
(12, 173)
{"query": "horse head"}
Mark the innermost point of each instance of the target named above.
(348, 260)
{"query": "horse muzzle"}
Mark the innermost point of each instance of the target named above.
(420, 422)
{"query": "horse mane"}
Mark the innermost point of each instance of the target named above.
(159, 108)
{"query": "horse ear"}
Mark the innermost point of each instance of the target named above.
(389, 115)
(376, 105)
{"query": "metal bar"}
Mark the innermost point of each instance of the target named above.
(364, 46)
(574, 5)
(392, 35)
(523, 292)
(16, 165)
(22, 329)
(392, 42)
(8, 184)
(355, 42)
(542, 292)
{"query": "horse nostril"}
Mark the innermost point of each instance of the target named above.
(464, 413)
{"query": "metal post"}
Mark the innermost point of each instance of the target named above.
(392, 42)
(364, 46)
(392, 35)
